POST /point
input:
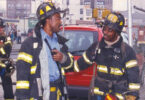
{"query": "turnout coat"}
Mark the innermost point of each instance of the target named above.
(117, 69)
(28, 85)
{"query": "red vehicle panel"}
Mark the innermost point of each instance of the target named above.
(78, 82)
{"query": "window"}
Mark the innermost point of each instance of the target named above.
(81, 18)
(67, 2)
(81, 2)
(12, 5)
(18, 12)
(87, 3)
(81, 11)
(88, 12)
(28, 6)
(25, 6)
(9, 5)
(83, 39)
(18, 5)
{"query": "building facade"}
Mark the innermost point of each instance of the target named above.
(18, 8)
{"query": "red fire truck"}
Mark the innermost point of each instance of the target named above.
(80, 38)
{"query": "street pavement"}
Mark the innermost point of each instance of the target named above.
(14, 54)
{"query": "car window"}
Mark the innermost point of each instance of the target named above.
(78, 40)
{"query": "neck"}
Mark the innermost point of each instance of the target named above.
(48, 31)
(111, 43)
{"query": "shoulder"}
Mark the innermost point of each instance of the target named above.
(128, 51)
(128, 48)
(30, 43)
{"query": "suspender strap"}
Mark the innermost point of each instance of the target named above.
(48, 44)
(62, 77)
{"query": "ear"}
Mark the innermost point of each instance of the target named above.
(48, 20)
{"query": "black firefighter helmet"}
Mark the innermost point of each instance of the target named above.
(1, 23)
(46, 10)
(115, 21)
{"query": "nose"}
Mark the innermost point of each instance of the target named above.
(105, 31)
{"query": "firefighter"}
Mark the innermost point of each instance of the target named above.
(5, 63)
(117, 70)
(39, 75)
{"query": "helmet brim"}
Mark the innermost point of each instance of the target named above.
(58, 10)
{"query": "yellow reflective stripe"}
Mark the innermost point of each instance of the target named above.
(2, 65)
(134, 86)
(32, 98)
(58, 94)
(116, 71)
(76, 67)
(141, 42)
(108, 97)
(33, 69)
(62, 71)
(119, 96)
(71, 63)
(25, 57)
(87, 59)
(22, 85)
(8, 42)
(102, 68)
(97, 91)
(131, 63)
(52, 89)
(9, 99)
(2, 51)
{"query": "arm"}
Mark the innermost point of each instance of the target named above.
(23, 64)
(5, 48)
(65, 59)
(86, 59)
(132, 71)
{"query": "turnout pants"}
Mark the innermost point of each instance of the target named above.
(7, 87)
(56, 90)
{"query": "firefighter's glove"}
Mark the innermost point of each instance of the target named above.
(10, 71)
(130, 97)
(9, 67)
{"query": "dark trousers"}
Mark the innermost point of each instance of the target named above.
(7, 87)
(56, 90)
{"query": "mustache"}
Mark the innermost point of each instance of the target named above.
(105, 35)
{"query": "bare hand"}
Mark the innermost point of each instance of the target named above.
(57, 56)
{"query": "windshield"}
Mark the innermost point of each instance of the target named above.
(79, 41)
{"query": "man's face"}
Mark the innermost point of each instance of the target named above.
(1, 30)
(109, 34)
(56, 22)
